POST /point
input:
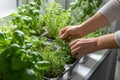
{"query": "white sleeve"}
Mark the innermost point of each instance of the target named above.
(111, 10)
(117, 37)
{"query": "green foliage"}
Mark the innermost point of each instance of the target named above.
(17, 59)
(24, 55)
(97, 33)
(57, 63)
(56, 18)
(64, 50)
(38, 43)
(28, 18)
(84, 8)
(57, 52)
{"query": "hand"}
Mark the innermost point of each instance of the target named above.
(81, 47)
(69, 32)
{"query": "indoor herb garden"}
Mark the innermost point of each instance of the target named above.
(31, 49)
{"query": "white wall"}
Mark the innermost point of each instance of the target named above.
(7, 6)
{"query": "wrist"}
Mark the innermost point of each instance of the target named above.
(82, 30)
(99, 43)
(107, 41)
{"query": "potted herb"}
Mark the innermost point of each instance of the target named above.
(29, 17)
(56, 52)
(64, 50)
(55, 19)
(17, 59)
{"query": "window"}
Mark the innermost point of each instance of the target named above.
(6, 7)
(9, 6)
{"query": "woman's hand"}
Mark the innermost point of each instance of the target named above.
(88, 26)
(70, 32)
(81, 47)
(85, 46)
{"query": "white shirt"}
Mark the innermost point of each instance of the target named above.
(112, 12)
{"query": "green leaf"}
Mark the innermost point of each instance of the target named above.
(31, 9)
(2, 36)
(32, 4)
(43, 65)
(13, 14)
(17, 64)
(28, 45)
(28, 74)
(36, 12)
(27, 18)
(19, 36)
(14, 47)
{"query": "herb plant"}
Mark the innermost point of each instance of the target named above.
(28, 18)
(64, 50)
(55, 19)
(17, 59)
(57, 63)
(57, 52)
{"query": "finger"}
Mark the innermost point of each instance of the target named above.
(85, 51)
(78, 49)
(73, 42)
(76, 45)
(62, 31)
(65, 35)
(78, 55)
(75, 51)
(81, 42)
(77, 41)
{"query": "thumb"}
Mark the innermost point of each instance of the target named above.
(65, 35)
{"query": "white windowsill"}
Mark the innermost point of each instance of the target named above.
(6, 13)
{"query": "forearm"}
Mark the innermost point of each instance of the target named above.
(107, 42)
(107, 14)
(93, 23)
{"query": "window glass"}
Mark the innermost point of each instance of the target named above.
(7, 6)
